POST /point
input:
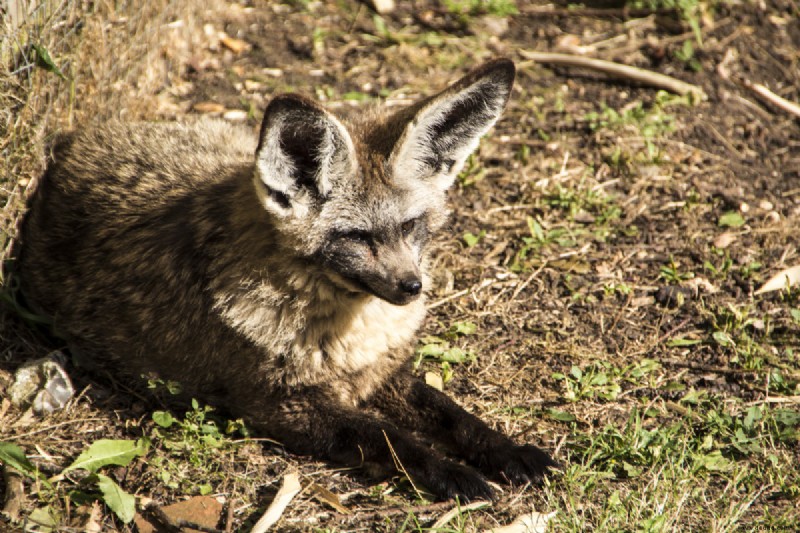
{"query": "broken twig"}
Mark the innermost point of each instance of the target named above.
(15, 493)
(769, 97)
(617, 70)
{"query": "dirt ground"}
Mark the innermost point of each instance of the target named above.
(606, 244)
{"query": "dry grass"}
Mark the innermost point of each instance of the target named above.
(116, 61)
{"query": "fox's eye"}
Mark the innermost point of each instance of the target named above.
(408, 226)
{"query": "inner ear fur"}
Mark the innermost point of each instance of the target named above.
(302, 150)
(444, 129)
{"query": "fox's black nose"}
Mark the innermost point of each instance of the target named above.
(412, 286)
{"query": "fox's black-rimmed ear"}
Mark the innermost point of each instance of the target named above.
(447, 127)
(302, 150)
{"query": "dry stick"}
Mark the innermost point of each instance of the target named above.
(457, 510)
(765, 95)
(399, 466)
(229, 516)
(617, 70)
(55, 426)
(381, 513)
(15, 493)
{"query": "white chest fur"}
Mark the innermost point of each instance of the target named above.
(309, 343)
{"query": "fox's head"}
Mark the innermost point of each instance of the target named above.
(361, 198)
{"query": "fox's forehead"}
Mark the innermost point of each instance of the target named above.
(372, 204)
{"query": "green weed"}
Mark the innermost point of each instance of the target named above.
(470, 8)
(686, 54)
(440, 349)
(602, 380)
(192, 448)
(472, 173)
(672, 273)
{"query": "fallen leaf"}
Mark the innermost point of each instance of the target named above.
(532, 522)
(731, 219)
(122, 503)
(14, 456)
(787, 277)
(208, 107)
(325, 496)
(105, 452)
(434, 380)
(237, 46)
(289, 489)
(46, 518)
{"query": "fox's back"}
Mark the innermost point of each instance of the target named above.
(130, 168)
(120, 232)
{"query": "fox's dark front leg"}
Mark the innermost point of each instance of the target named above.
(315, 422)
(412, 403)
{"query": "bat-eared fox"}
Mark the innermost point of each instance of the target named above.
(279, 276)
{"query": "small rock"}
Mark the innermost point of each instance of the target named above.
(42, 385)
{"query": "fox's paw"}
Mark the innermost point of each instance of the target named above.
(518, 464)
(450, 480)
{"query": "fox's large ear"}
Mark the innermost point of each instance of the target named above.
(446, 128)
(302, 150)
